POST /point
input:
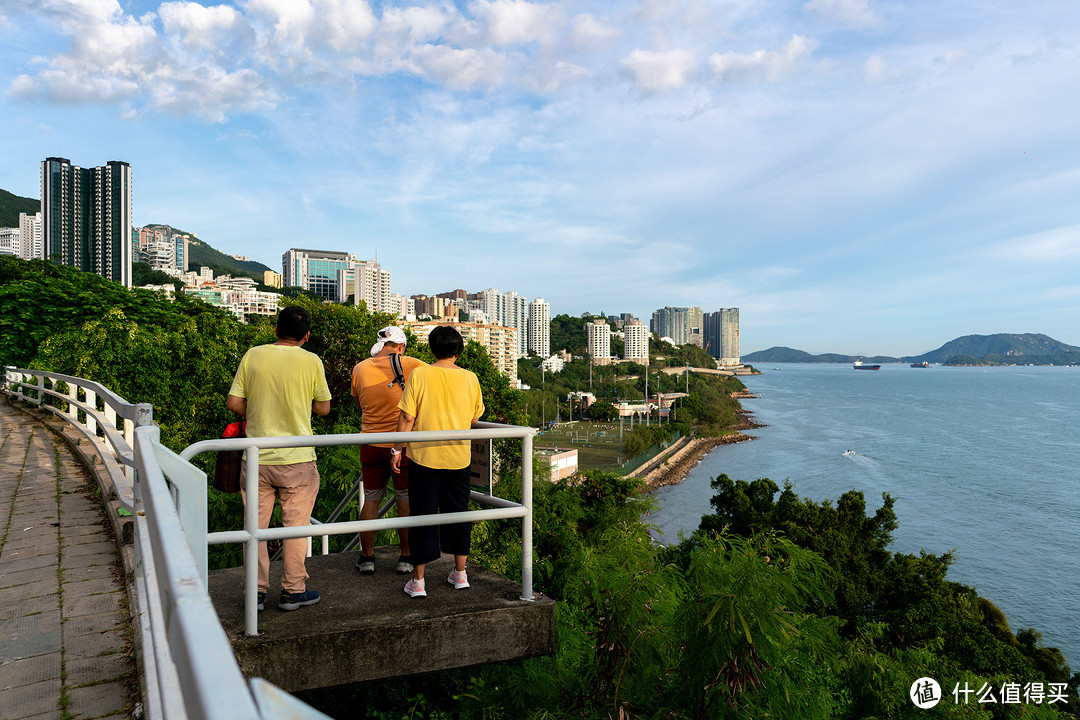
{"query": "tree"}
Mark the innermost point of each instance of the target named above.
(602, 411)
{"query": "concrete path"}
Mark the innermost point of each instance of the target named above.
(65, 633)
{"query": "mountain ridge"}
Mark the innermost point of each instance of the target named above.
(995, 349)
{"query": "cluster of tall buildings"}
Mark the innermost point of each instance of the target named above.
(85, 222)
(715, 332)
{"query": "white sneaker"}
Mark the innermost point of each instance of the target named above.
(415, 588)
(458, 579)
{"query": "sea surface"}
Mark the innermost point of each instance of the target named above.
(982, 461)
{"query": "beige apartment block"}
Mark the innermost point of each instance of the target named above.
(500, 342)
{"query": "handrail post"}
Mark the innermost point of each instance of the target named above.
(144, 415)
(526, 522)
(251, 546)
(91, 401)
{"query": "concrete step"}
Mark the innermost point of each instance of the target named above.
(366, 628)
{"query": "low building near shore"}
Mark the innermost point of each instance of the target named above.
(563, 463)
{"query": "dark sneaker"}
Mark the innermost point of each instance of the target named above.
(415, 588)
(404, 567)
(262, 601)
(294, 601)
(366, 564)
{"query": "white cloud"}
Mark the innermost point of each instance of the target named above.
(768, 65)
(656, 71)
(876, 70)
(854, 13)
(554, 77)
(461, 69)
(204, 28)
(1050, 246)
(586, 31)
(513, 22)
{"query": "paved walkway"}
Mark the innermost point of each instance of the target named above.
(65, 633)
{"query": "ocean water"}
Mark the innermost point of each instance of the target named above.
(982, 461)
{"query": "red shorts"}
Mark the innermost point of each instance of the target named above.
(376, 469)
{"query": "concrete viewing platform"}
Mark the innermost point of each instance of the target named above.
(65, 633)
(366, 628)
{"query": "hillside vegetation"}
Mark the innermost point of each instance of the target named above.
(11, 205)
(999, 349)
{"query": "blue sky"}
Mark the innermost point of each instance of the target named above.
(855, 176)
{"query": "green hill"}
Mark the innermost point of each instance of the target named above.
(11, 205)
(201, 254)
(1003, 349)
(790, 355)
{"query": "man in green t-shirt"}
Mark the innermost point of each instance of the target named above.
(277, 387)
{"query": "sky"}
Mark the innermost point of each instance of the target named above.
(855, 176)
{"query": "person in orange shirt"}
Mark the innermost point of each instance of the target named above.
(376, 388)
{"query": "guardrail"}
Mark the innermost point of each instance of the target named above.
(251, 535)
(105, 418)
(187, 665)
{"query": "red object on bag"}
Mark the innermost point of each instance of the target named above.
(227, 468)
(236, 429)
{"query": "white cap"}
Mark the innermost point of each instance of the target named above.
(388, 334)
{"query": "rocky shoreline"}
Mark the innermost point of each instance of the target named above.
(679, 465)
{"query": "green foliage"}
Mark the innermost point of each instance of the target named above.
(40, 299)
(11, 205)
(602, 410)
(142, 274)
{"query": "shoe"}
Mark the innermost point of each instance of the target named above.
(294, 601)
(366, 564)
(262, 601)
(404, 567)
(415, 588)
(458, 579)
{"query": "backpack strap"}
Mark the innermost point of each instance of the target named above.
(399, 374)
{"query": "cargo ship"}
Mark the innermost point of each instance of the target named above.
(860, 365)
(922, 364)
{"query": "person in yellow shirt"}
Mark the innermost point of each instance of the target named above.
(277, 387)
(376, 389)
(441, 396)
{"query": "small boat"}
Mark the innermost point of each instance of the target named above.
(860, 365)
(922, 364)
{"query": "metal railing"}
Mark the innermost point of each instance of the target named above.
(251, 535)
(105, 418)
(187, 663)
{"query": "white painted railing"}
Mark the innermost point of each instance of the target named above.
(187, 663)
(251, 535)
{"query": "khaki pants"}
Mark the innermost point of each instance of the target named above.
(297, 486)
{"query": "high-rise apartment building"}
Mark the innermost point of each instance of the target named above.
(721, 336)
(507, 309)
(316, 270)
(271, 279)
(681, 324)
(367, 281)
(31, 237)
(635, 342)
(86, 217)
(598, 338)
(540, 327)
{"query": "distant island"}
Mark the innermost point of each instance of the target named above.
(977, 350)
